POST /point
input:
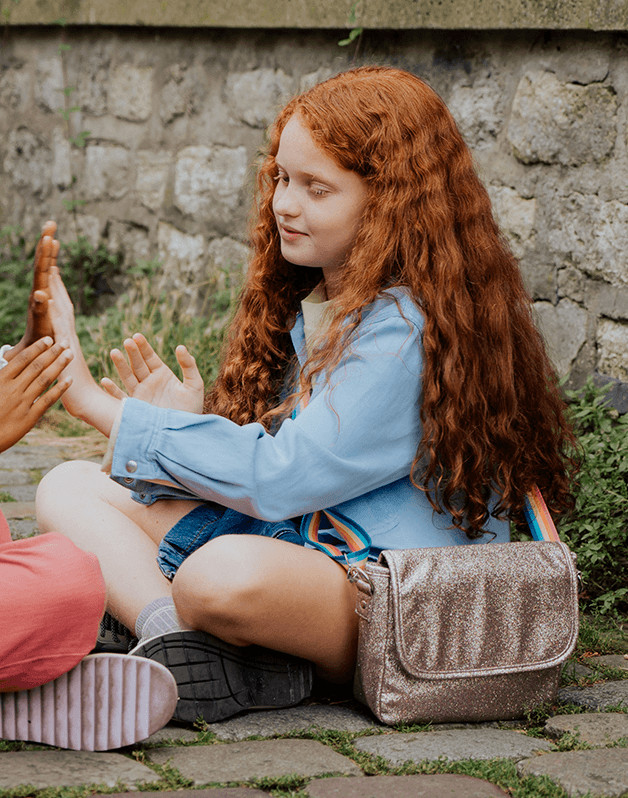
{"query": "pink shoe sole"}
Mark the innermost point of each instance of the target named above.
(106, 701)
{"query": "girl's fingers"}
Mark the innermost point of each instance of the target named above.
(112, 389)
(151, 358)
(46, 400)
(26, 357)
(43, 372)
(191, 374)
(138, 364)
(125, 372)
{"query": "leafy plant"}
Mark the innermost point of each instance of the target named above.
(88, 273)
(16, 277)
(597, 530)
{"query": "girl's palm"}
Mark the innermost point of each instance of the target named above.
(145, 376)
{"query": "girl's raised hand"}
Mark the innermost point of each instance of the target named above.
(38, 322)
(145, 376)
(25, 392)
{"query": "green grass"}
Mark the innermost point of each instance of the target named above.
(5, 496)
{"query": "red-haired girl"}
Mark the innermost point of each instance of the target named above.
(382, 365)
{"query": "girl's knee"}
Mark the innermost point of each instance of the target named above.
(62, 486)
(219, 585)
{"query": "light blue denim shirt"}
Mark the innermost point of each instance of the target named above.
(351, 448)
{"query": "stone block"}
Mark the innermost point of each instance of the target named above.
(310, 79)
(611, 661)
(228, 255)
(477, 113)
(130, 240)
(130, 92)
(570, 283)
(440, 786)
(183, 256)
(563, 327)
(49, 84)
(593, 235)
(255, 97)
(208, 181)
(46, 769)
(564, 123)
(453, 745)
(92, 81)
(28, 163)
(61, 160)
(602, 773)
(296, 719)
(15, 88)
(152, 177)
(596, 697)
(89, 227)
(254, 760)
(612, 349)
(106, 172)
(594, 728)
(515, 216)
(171, 734)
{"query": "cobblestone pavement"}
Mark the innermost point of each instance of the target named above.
(328, 749)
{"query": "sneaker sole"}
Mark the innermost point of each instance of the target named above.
(107, 701)
(217, 680)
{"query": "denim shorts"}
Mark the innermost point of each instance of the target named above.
(208, 521)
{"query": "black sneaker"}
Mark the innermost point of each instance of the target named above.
(113, 637)
(217, 680)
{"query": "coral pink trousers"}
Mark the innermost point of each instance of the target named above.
(52, 597)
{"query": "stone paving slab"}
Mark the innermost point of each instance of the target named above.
(13, 477)
(23, 493)
(18, 510)
(214, 792)
(594, 728)
(42, 769)
(171, 734)
(441, 786)
(283, 721)
(575, 670)
(398, 748)
(611, 660)
(598, 696)
(203, 764)
(603, 772)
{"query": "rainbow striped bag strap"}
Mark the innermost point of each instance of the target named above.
(356, 537)
(359, 542)
(538, 517)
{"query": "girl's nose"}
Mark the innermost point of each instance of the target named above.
(285, 201)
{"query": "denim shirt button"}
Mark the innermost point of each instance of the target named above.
(131, 466)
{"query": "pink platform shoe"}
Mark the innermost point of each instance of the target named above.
(106, 701)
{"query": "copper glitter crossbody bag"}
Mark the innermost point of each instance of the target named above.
(466, 633)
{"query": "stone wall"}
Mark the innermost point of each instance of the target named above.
(176, 118)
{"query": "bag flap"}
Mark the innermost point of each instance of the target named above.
(483, 609)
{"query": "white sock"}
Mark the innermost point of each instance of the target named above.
(158, 618)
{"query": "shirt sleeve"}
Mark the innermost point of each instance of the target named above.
(359, 431)
(3, 350)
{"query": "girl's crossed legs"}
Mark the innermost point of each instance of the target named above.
(244, 589)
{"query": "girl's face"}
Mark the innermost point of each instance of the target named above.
(318, 204)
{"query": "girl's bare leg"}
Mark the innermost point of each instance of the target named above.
(244, 589)
(98, 515)
(247, 589)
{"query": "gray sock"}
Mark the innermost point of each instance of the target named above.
(157, 618)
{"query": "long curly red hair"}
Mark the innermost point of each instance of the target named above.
(491, 408)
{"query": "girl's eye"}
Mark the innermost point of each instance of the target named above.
(281, 178)
(318, 192)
